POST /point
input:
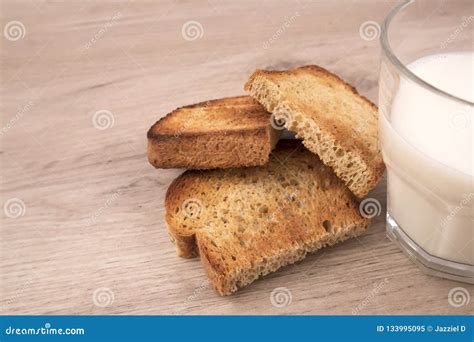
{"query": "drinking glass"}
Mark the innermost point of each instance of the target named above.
(426, 137)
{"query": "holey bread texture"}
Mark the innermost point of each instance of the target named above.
(229, 132)
(247, 222)
(334, 121)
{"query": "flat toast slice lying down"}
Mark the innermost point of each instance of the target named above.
(334, 121)
(229, 132)
(247, 222)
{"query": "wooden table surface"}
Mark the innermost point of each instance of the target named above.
(82, 228)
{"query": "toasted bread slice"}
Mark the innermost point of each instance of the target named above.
(229, 132)
(248, 222)
(335, 122)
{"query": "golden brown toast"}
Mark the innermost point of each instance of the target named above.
(247, 222)
(334, 121)
(229, 132)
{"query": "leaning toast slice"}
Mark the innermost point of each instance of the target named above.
(247, 222)
(335, 122)
(229, 132)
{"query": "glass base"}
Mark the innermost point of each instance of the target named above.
(428, 263)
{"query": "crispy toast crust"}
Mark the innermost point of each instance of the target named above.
(255, 220)
(317, 70)
(164, 127)
(329, 136)
(222, 133)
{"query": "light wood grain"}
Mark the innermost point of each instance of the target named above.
(94, 206)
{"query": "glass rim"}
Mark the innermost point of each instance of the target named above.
(388, 51)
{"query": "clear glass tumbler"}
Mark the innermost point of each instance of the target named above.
(426, 131)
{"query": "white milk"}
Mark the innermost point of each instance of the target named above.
(428, 149)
